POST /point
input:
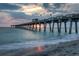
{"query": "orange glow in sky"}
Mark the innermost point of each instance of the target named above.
(39, 26)
(30, 9)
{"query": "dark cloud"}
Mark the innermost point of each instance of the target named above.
(54, 7)
(58, 5)
(46, 5)
(6, 6)
(20, 15)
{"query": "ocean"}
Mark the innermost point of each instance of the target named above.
(12, 39)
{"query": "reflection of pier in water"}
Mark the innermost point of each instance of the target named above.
(37, 24)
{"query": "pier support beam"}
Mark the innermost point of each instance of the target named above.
(39, 27)
(30, 27)
(58, 27)
(76, 27)
(65, 27)
(44, 27)
(53, 26)
(50, 26)
(70, 29)
(36, 27)
(33, 26)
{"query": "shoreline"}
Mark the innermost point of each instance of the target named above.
(70, 48)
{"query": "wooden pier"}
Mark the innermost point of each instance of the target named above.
(42, 24)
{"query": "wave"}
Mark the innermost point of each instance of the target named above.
(32, 44)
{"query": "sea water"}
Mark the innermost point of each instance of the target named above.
(15, 38)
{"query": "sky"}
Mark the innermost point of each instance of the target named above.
(18, 13)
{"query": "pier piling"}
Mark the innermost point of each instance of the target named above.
(58, 27)
(44, 27)
(39, 27)
(70, 29)
(65, 27)
(52, 26)
(76, 27)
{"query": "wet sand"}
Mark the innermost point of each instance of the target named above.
(62, 49)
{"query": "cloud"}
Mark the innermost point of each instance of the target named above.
(20, 13)
(6, 6)
(6, 20)
(31, 9)
(62, 7)
(73, 8)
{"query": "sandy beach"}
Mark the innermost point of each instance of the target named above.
(70, 48)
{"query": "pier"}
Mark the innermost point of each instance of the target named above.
(35, 23)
